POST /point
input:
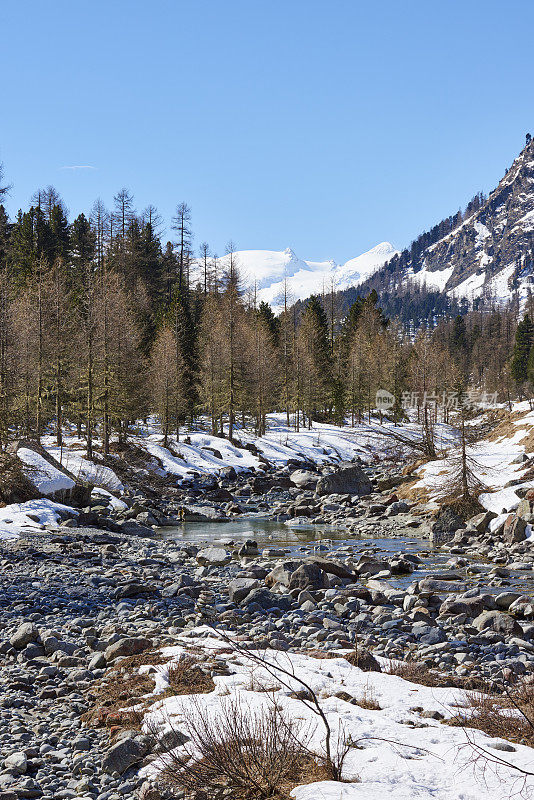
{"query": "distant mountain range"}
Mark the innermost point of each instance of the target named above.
(481, 257)
(267, 270)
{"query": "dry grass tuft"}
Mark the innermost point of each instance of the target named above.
(507, 716)
(368, 699)
(418, 672)
(114, 698)
(186, 677)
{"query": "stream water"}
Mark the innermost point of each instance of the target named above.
(308, 539)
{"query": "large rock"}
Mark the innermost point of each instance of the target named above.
(266, 600)
(448, 521)
(431, 585)
(309, 576)
(281, 574)
(303, 478)
(514, 529)
(127, 752)
(499, 622)
(369, 568)
(332, 567)
(471, 606)
(213, 557)
(364, 660)
(525, 509)
(134, 589)
(25, 633)
(239, 588)
(131, 528)
(130, 646)
(263, 483)
(16, 763)
(481, 521)
(347, 480)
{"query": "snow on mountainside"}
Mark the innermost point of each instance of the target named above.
(487, 253)
(268, 269)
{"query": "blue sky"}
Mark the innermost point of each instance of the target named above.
(325, 127)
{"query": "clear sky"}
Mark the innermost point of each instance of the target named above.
(322, 126)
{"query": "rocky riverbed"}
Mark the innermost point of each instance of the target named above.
(106, 584)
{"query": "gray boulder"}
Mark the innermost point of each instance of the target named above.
(16, 763)
(266, 600)
(481, 521)
(514, 529)
(281, 574)
(303, 478)
(213, 557)
(25, 633)
(499, 622)
(332, 567)
(348, 480)
(127, 647)
(240, 587)
(125, 753)
(448, 521)
(309, 576)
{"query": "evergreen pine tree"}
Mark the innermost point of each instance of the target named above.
(521, 352)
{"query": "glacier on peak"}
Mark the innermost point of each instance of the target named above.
(267, 270)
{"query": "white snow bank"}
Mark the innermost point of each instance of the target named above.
(85, 470)
(16, 517)
(400, 754)
(498, 463)
(46, 478)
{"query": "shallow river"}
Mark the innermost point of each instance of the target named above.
(305, 540)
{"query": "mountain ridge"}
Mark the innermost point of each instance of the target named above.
(267, 270)
(486, 257)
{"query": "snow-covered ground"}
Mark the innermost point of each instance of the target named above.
(46, 478)
(31, 515)
(73, 459)
(496, 462)
(400, 753)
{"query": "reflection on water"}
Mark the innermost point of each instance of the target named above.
(304, 540)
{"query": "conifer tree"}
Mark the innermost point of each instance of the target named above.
(315, 349)
(521, 352)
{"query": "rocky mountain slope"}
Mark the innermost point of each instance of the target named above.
(485, 254)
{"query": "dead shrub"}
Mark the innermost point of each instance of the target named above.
(368, 699)
(186, 677)
(120, 688)
(509, 715)
(421, 673)
(113, 698)
(240, 752)
(413, 671)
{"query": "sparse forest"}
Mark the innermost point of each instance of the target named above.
(102, 322)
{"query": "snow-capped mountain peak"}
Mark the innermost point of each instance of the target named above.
(268, 270)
